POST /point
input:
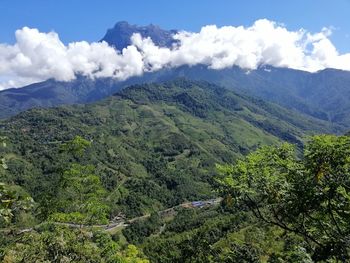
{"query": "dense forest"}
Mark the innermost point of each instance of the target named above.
(179, 171)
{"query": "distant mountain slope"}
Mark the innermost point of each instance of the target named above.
(154, 145)
(52, 93)
(119, 36)
(324, 95)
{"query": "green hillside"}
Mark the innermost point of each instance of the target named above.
(171, 133)
(148, 148)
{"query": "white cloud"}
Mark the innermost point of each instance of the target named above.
(38, 56)
(264, 43)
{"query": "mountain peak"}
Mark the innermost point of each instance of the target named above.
(119, 36)
(121, 24)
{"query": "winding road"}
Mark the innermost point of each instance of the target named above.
(112, 226)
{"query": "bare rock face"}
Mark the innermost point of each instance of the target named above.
(119, 36)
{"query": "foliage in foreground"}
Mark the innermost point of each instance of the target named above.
(309, 197)
(13, 201)
(52, 243)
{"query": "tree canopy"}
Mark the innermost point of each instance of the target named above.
(308, 196)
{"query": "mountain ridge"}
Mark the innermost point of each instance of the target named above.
(258, 83)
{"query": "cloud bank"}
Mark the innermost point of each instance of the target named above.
(38, 56)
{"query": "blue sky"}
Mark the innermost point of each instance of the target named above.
(76, 20)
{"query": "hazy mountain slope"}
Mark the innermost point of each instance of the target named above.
(52, 93)
(324, 94)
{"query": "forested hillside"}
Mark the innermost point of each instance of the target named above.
(147, 148)
(174, 133)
